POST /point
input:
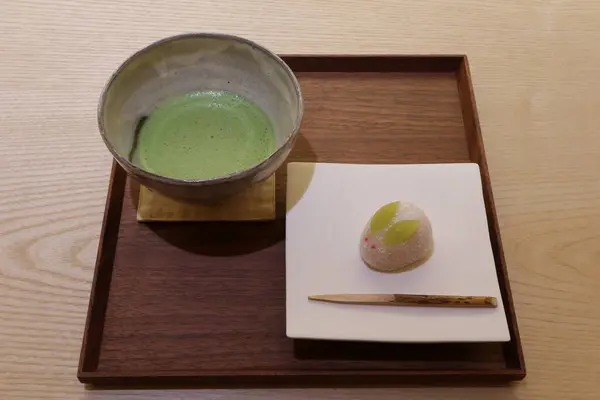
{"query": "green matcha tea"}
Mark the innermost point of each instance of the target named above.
(203, 135)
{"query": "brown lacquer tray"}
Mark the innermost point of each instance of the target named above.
(204, 303)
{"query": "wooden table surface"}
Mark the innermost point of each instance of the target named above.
(535, 68)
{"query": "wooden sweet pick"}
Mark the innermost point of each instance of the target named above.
(414, 300)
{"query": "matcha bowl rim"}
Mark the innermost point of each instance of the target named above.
(166, 184)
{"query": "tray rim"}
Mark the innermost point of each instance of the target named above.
(512, 350)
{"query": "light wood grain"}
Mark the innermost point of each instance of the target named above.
(534, 66)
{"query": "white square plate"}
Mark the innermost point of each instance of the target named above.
(328, 206)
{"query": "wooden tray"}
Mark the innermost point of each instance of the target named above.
(204, 303)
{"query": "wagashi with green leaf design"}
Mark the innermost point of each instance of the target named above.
(398, 237)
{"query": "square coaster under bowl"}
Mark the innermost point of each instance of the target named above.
(328, 207)
(254, 204)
